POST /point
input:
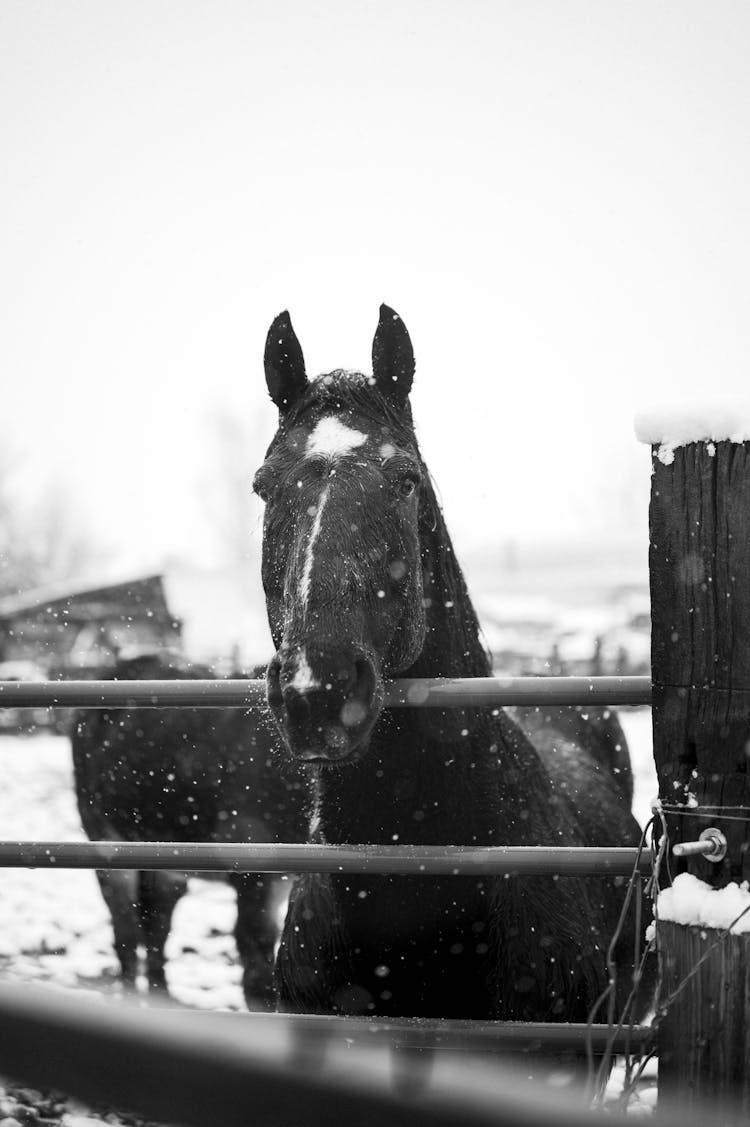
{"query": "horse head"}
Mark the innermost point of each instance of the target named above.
(342, 571)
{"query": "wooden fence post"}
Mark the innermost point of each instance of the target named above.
(699, 559)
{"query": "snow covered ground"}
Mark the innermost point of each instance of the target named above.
(54, 925)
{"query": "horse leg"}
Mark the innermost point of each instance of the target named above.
(256, 933)
(119, 887)
(160, 892)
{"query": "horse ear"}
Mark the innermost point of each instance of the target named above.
(392, 357)
(284, 363)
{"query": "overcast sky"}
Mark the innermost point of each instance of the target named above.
(554, 196)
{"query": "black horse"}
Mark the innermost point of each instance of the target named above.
(185, 774)
(361, 585)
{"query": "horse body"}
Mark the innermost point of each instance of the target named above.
(177, 774)
(521, 949)
(362, 584)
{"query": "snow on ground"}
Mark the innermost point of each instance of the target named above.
(53, 924)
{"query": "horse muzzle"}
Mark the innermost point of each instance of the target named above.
(325, 700)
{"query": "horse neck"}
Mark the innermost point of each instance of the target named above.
(453, 646)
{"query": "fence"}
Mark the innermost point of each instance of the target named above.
(405, 693)
(699, 563)
(407, 1036)
(256, 1069)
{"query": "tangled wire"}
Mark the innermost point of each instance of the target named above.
(636, 1063)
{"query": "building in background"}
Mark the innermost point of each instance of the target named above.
(79, 631)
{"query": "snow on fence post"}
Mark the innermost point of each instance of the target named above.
(699, 561)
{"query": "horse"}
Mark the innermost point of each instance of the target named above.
(362, 585)
(185, 774)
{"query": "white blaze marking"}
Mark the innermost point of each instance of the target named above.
(333, 438)
(304, 587)
(304, 678)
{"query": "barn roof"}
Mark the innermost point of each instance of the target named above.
(222, 612)
(147, 589)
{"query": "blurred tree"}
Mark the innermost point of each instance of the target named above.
(622, 484)
(40, 539)
(234, 512)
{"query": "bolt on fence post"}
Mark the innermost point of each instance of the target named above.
(699, 562)
(711, 844)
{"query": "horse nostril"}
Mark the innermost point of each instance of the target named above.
(297, 706)
(345, 680)
(356, 708)
(353, 713)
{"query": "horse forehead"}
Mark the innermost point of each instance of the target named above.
(333, 438)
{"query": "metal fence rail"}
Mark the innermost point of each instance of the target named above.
(415, 860)
(438, 692)
(458, 1035)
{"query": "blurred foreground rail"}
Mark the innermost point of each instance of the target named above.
(204, 1069)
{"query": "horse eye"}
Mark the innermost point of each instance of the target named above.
(407, 486)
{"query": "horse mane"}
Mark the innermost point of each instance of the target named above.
(453, 643)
